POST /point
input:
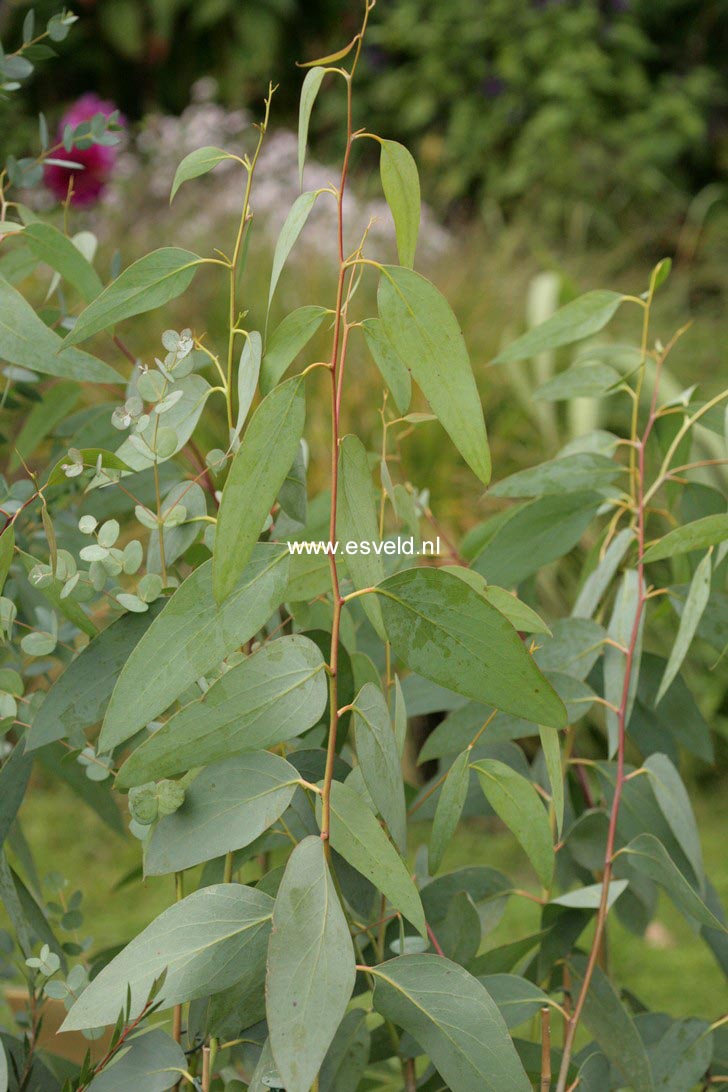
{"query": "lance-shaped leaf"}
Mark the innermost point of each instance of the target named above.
(569, 474)
(226, 807)
(191, 636)
(450, 804)
(25, 340)
(401, 185)
(645, 853)
(14, 777)
(552, 755)
(695, 604)
(708, 531)
(309, 91)
(376, 749)
(518, 614)
(598, 581)
(272, 696)
(628, 611)
(206, 942)
(358, 837)
(149, 282)
(356, 522)
(78, 697)
(392, 369)
(581, 318)
(197, 163)
(152, 1061)
(311, 967)
(674, 803)
(57, 250)
(444, 630)
(454, 1018)
(286, 342)
(425, 334)
(56, 404)
(7, 549)
(292, 228)
(613, 1027)
(518, 805)
(258, 471)
(248, 372)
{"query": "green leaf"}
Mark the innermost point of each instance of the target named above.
(77, 699)
(14, 777)
(309, 91)
(56, 250)
(63, 766)
(518, 805)
(25, 340)
(358, 837)
(3, 1069)
(695, 604)
(579, 319)
(311, 967)
(348, 1055)
(286, 342)
(52, 592)
(148, 283)
(442, 629)
(272, 696)
(647, 854)
(248, 373)
(153, 1061)
(583, 380)
(455, 1019)
(516, 997)
(57, 403)
(552, 755)
(613, 1028)
(206, 942)
(181, 419)
(197, 163)
(226, 807)
(599, 580)
(393, 371)
(537, 534)
(708, 531)
(585, 470)
(258, 471)
(425, 334)
(292, 228)
(621, 627)
(7, 550)
(674, 803)
(450, 804)
(518, 614)
(590, 897)
(679, 1055)
(376, 750)
(401, 185)
(191, 636)
(356, 522)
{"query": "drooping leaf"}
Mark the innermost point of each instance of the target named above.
(285, 343)
(454, 1016)
(679, 1053)
(248, 373)
(516, 997)
(148, 283)
(622, 631)
(391, 367)
(7, 549)
(575, 321)
(424, 333)
(442, 629)
(552, 755)
(348, 1055)
(538, 533)
(272, 696)
(79, 696)
(708, 531)
(153, 1062)
(226, 807)
(292, 228)
(25, 340)
(676, 721)
(569, 474)
(257, 473)
(695, 603)
(191, 636)
(582, 380)
(450, 805)
(519, 806)
(356, 522)
(58, 251)
(599, 580)
(309, 91)
(647, 854)
(674, 802)
(56, 404)
(376, 749)
(196, 164)
(401, 185)
(14, 777)
(311, 967)
(358, 837)
(613, 1028)
(206, 942)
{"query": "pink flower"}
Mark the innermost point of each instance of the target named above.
(98, 160)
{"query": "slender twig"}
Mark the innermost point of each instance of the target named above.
(545, 1048)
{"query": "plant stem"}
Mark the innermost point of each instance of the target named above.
(545, 1048)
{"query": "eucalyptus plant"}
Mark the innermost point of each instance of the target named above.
(186, 626)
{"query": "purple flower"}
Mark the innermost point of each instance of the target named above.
(98, 160)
